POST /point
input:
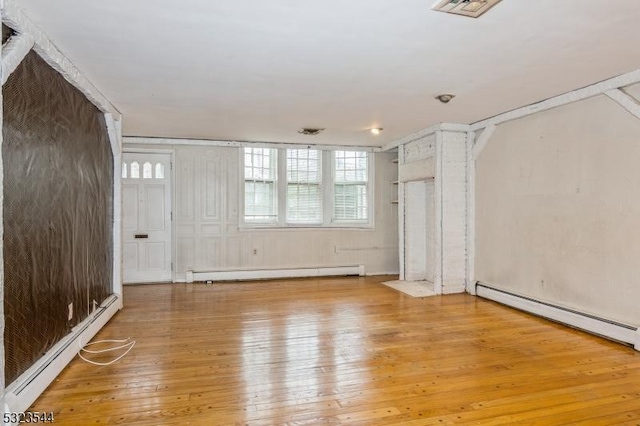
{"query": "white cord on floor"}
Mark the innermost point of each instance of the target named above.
(129, 345)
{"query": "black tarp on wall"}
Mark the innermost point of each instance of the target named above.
(58, 208)
(6, 33)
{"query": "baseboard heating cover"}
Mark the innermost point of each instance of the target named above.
(261, 274)
(20, 394)
(600, 326)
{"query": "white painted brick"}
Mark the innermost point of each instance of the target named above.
(419, 149)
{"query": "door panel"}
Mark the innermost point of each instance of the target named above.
(129, 207)
(130, 256)
(146, 208)
(155, 255)
(155, 208)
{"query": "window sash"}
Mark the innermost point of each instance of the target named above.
(350, 202)
(304, 186)
(304, 203)
(260, 185)
(351, 182)
(350, 166)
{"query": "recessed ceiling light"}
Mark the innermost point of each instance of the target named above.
(309, 131)
(376, 130)
(445, 97)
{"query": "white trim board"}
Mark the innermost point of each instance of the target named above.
(13, 52)
(130, 140)
(602, 327)
(379, 273)
(482, 141)
(401, 218)
(625, 101)
(115, 138)
(564, 99)
(439, 217)
(450, 127)
(262, 274)
(20, 394)
(471, 208)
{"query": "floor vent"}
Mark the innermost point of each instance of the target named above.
(471, 8)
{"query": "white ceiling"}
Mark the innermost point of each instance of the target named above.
(259, 70)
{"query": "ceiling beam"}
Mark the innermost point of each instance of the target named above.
(625, 101)
(130, 140)
(482, 140)
(564, 99)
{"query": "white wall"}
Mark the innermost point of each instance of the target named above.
(420, 230)
(441, 158)
(206, 222)
(558, 209)
(415, 231)
(452, 164)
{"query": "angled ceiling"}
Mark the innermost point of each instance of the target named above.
(259, 70)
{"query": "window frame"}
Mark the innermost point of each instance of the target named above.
(327, 186)
(301, 183)
(367, 187)
(276, 191)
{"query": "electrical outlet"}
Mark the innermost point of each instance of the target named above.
(70, 315)
(255, 251)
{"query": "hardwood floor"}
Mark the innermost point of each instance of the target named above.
(342, 351)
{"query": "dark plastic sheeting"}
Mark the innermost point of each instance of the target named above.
(6, 33)
(58, 208)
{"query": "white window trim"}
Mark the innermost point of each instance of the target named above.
(327, 184)
(370, 199)
(286, 192)
(241, 201)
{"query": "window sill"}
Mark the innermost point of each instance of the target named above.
(333, 227)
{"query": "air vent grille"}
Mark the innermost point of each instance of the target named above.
(309, 131)
(471, 8)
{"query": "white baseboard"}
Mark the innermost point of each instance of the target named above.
(20, 394)
(373, 274)
(453, 289)
(602, 327)
(261, 274)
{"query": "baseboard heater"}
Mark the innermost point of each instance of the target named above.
(20, 394)
(590, 323)
(262, 274)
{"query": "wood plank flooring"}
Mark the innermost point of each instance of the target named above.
(342, 351)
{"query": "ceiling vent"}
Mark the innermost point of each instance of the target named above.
(309, 131)
(471, 8)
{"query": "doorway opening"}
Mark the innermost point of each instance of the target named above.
(146, 217)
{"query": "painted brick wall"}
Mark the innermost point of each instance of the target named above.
(453, 183)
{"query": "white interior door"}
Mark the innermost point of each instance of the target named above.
(146, 222)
